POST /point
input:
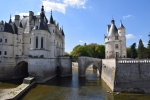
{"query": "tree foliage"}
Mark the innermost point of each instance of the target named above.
(90, 50)
(133, 51)
(141, 49)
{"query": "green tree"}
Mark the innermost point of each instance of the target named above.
(100, 51)
(66, 54)
(91, 49)
(133, 51)
(79, 51)
(141, 49)
(128, 52)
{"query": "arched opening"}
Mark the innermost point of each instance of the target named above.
(36, 42)
(92, 71)
(21, 70)
(41, 42)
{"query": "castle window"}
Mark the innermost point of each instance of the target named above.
(36, 27)
(116, 37)
(5, 53)
(116, 46)
(1, 40)
(30, 40)
(41, 42)
(36, 42)
(5, 40)
(0, 52)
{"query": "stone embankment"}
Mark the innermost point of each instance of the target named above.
(15, 93)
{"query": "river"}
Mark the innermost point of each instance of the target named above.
(73, 88)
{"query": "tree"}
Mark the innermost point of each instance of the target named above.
(140, 49)
(91, 50)
(66, 54)
(128, 52)
(133, 51)
(79, 51)
(100, 51)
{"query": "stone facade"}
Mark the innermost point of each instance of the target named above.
(36, 40)
(115, 41)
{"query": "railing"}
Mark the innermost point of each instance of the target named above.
(124, 61)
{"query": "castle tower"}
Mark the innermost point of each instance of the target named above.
(115, 41)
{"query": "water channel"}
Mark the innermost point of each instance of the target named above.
(73, 88)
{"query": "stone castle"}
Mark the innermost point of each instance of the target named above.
(33, 39)
(115, 41)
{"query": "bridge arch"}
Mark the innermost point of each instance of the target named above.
(85, 62)
(21, 70)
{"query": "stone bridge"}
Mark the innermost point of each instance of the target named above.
(42, 69)
(85, 62)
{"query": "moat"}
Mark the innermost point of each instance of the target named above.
(73, 88)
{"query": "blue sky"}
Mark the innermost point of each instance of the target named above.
(84, 21)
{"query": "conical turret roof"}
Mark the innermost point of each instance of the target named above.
(113, 29)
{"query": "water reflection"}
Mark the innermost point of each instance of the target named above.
(73, 88)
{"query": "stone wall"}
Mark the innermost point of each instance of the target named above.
(127, 75)
(6, 68)
(65, 66)
(133, 76)
(108, 72)
(42, 69)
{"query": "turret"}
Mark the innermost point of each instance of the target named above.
(51, 19)
(121, 29)
(10, 21)
(42, 14)
(113, 29)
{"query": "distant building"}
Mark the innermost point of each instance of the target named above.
(35, 40)
(115, 41)
(32, 35)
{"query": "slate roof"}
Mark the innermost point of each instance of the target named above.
(8, 28)
(121, 26)
(63, 33)
(113, 29)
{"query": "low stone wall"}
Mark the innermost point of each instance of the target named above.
(133, 76)
(15, 93)
(127, 75)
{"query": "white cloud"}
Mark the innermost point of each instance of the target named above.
(50, 5)
(127, 16)
(76, 3)
(80, 41)
(61, 5)
(130, 36)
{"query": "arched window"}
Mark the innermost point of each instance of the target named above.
(41, 42)
(36, 42)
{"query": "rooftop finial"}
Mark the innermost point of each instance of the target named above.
(10, 21)
(42, 9)
(113, 21)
